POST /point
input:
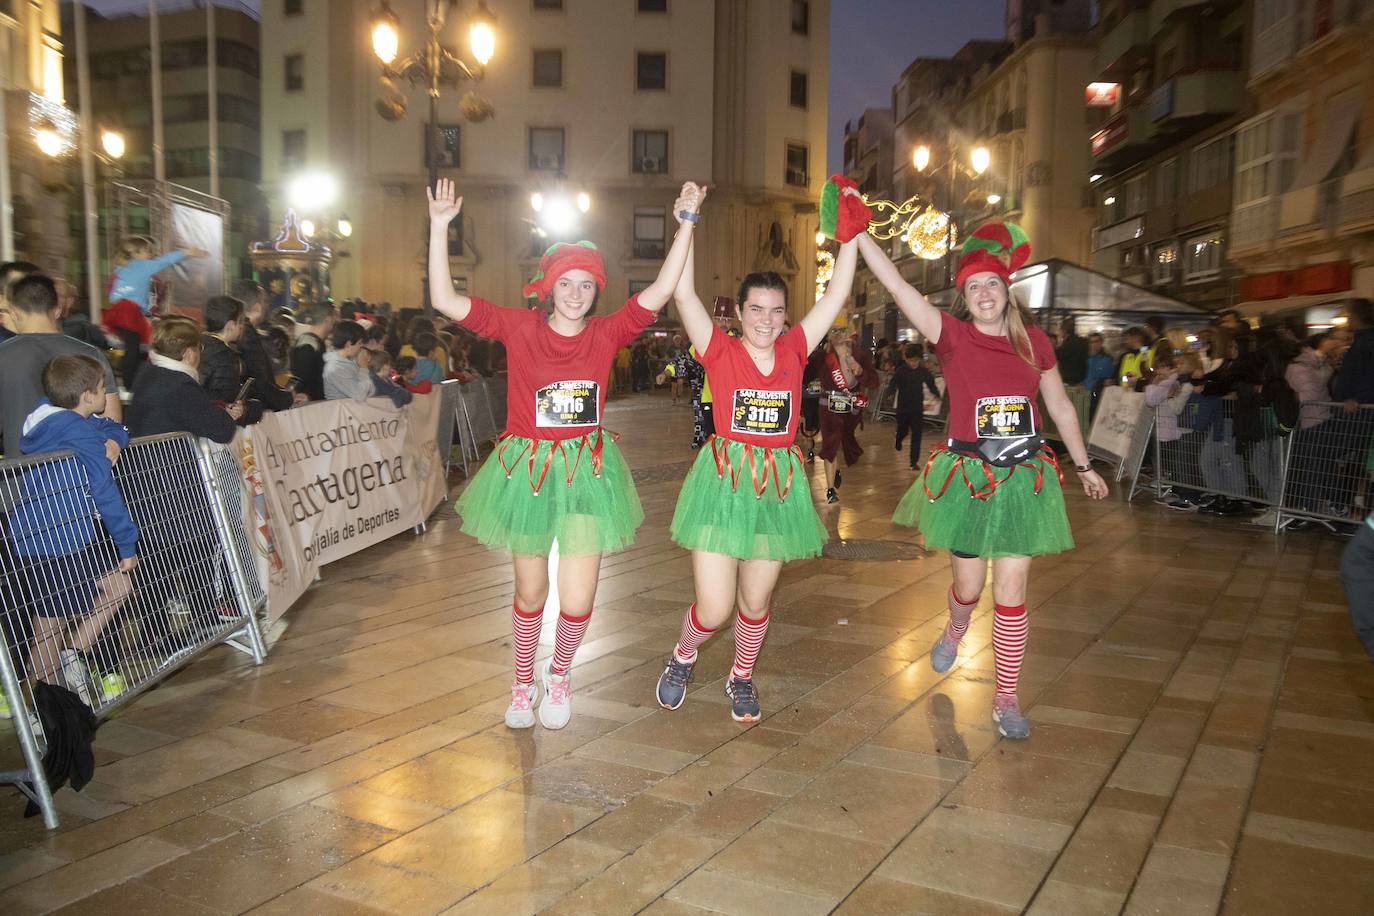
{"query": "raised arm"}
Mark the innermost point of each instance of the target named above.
(696, 321)
(444, 205)
(656, 295)
(923, 316)
(824, 312)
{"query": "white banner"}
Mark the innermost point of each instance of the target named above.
(332, 478)
(1119, 413)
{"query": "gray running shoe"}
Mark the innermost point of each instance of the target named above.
(744, 699)
(945, 652)
(672, 683)
(1006, 712)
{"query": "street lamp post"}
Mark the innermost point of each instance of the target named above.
(980, 160)
(434, 65)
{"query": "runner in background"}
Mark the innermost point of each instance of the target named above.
(556, 474)
(991, 494)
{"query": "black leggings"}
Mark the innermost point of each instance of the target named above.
(964, 556)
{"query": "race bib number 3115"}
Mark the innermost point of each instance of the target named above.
(762, 413)
(1008, 417)
(572, 403)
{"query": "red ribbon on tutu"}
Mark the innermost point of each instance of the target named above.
(985, 491)
(721, 452)
(532, 449)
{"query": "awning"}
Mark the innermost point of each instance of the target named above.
(1254, 307)
(1299, 206)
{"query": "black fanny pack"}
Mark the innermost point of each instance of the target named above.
(1000, 453)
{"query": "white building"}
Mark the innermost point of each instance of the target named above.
(621, 99)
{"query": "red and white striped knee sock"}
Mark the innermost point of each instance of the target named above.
(1008, 644)
(748, 640)
(960, 613)
(526, 627)
(692, 637)
(566, 639)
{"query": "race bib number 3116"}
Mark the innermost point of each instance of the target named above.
(1008, 417)
(571, 403)
(762, 413)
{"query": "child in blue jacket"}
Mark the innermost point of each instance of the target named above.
(73, 580)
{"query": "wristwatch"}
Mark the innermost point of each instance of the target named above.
(1082, 468)
(689, 216)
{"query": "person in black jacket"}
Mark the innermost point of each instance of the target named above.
(221, 367)
(257, 365)
(907, 380)
(1072, 353)
(307, 356)
(167, 396)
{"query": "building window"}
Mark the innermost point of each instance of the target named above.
(650, 226)
(548, 4)
(1166, 182)
(455, 237)
(548, 69)
(797, 172)
(295, 72)
(639, 286)
(293, 7)
(801, 17)
(1202, 257)
(292, 150)
(546, 149)
(1163, 261)
(651, 70)
(1209, 164)
(798, 89)
(653, 6)
(1266, 157)
(1135, 195)
(448, 143)
(1113, 206)
(650, 152)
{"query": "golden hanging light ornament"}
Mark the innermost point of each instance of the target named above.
(825, 269)
(929, 235)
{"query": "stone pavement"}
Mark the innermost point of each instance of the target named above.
(1203, 731)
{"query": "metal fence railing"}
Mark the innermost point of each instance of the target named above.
(74, 619)
(1320, 470)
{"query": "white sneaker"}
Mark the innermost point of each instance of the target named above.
(556, 709)
(520, 713)
(75, 673)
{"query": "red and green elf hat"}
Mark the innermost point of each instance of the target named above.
(560, 258)
(997, 247)
(843, 216)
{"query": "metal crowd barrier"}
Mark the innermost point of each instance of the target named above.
(1329, 464)
(1082, 401)
(73, 620)
(1321, 470)
(449, 396)
(885, 404)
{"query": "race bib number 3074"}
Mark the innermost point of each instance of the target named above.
(1008, 417)
(571, 403)
(762, 413)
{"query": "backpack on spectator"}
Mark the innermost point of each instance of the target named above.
(1281, 396)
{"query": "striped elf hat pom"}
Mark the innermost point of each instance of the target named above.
(1001, 248)
(843, 216)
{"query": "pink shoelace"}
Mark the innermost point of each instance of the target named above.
(520, 697)
(559, 688)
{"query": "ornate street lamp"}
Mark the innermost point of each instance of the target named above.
(434, 65)
(979, 161)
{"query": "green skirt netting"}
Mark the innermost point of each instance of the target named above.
(758, 511)
(507, 504)
(1010, 519)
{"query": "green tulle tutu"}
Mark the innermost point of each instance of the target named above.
(578, 491)
(1018, 512)
(750, 502)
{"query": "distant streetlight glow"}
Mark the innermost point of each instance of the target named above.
(345, 226)
(994, 199)
(482, 35)
(820, 237)
(112, 141)
(50, 142)
(312, 190)
(921, 158)
(981, 159)
(386, 37)
(584, 201)
(536, 202)
(307, 227)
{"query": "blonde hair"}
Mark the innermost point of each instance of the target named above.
(1018, 318)
(175, 336)
(134, 247)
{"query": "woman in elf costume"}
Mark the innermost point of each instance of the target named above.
(992, 493)
(555, 474)
(745, 507)
(844, 371)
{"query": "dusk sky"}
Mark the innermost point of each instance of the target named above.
(872, 41)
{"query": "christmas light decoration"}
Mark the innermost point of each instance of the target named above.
(825, 268)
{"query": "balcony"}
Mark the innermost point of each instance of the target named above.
(1124, 139)
(1162, 10)
(1186, 103)
(1127, 43)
